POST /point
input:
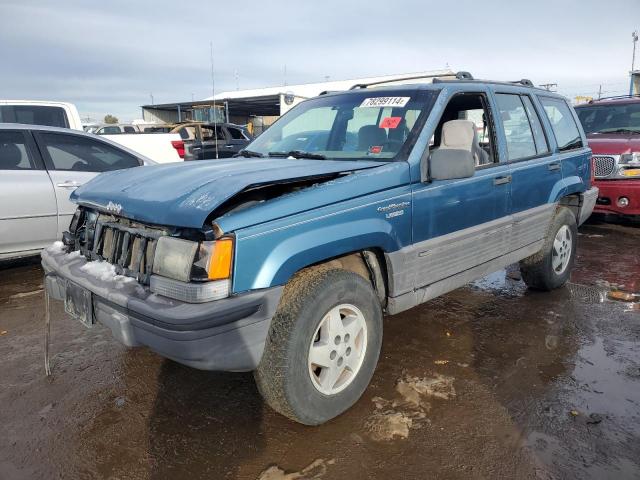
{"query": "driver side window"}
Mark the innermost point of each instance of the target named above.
(471, 107)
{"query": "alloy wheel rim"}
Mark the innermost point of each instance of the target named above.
(561, 252)
(337, 349)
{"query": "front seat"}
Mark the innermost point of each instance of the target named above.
(371, 136)
(10, 156)
(462, 135)
(457, 140)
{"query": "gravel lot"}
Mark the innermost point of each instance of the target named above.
(489, 381)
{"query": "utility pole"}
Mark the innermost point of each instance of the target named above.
(151, 95)
(549, 86)
(634, 36)
(213, 97)
(600, 92)
(285, 74)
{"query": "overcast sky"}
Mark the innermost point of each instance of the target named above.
(110, 56)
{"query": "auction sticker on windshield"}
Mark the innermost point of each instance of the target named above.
(374, 102)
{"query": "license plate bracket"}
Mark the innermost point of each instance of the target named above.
(78, 303)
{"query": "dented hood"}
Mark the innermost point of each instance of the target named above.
(184, 194)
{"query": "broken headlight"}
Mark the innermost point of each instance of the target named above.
(177, 262)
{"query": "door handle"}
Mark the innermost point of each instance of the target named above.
(502, 180)
(554, 166)
(228, 146)
(69, 184)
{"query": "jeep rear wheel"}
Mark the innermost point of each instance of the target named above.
(551, 267)
(323, 345)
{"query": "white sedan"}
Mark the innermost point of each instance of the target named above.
(39, 168)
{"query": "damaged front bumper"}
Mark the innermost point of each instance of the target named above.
(227, 334)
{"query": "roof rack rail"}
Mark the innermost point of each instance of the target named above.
(416, 77)
(615, 97)
(524, 81)
(464, 76)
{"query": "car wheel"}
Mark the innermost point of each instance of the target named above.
(323, 345)
(551, 267)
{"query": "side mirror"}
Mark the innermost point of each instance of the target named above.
(448, 164)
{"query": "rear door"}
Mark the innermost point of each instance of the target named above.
(572, 149)
(536, 172)
(72, 160)
(28, 212)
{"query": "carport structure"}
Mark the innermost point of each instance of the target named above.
(260, 107)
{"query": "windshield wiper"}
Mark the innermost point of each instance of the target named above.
(298, 154)
(618, 130)
(249, 154)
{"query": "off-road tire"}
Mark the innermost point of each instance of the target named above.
(537, 270)
(283, 376)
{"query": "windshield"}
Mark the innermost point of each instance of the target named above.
(624, 118)
(367, 124)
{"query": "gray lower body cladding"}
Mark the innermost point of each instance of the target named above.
(227, 334)
(436, 266)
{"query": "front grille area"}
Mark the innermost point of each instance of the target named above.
(603, 166)
(128, 245)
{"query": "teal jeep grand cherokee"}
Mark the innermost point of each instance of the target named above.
(353, 204)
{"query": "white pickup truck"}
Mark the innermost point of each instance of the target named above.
(160, 147)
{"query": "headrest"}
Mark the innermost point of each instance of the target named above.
(371, 135)
(10, 156)
(458, 134)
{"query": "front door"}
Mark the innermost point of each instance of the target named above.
(459, 224)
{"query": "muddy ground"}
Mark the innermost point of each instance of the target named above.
(489, 381)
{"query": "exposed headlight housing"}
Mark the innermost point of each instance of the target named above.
(174, 258)
(630, 159)
(192, 271)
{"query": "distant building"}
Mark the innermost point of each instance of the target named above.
(260, 107)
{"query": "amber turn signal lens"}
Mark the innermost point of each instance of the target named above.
(220, 263)
(631, 172)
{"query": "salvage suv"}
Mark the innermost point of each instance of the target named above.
(613, 131)
(284, 262)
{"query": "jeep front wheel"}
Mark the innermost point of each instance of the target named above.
(323, 345)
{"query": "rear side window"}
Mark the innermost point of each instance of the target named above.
(236, 134)
(209, 133)
(517, 130)
(563, 124)
(34, 115)
(109, 130)
(14, 154)
(76, 153)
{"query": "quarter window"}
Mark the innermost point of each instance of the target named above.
(542, 146)
(563, 124)
(517, 130)
(13, 152)
(76, 153)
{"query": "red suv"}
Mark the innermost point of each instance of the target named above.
(612, 126)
